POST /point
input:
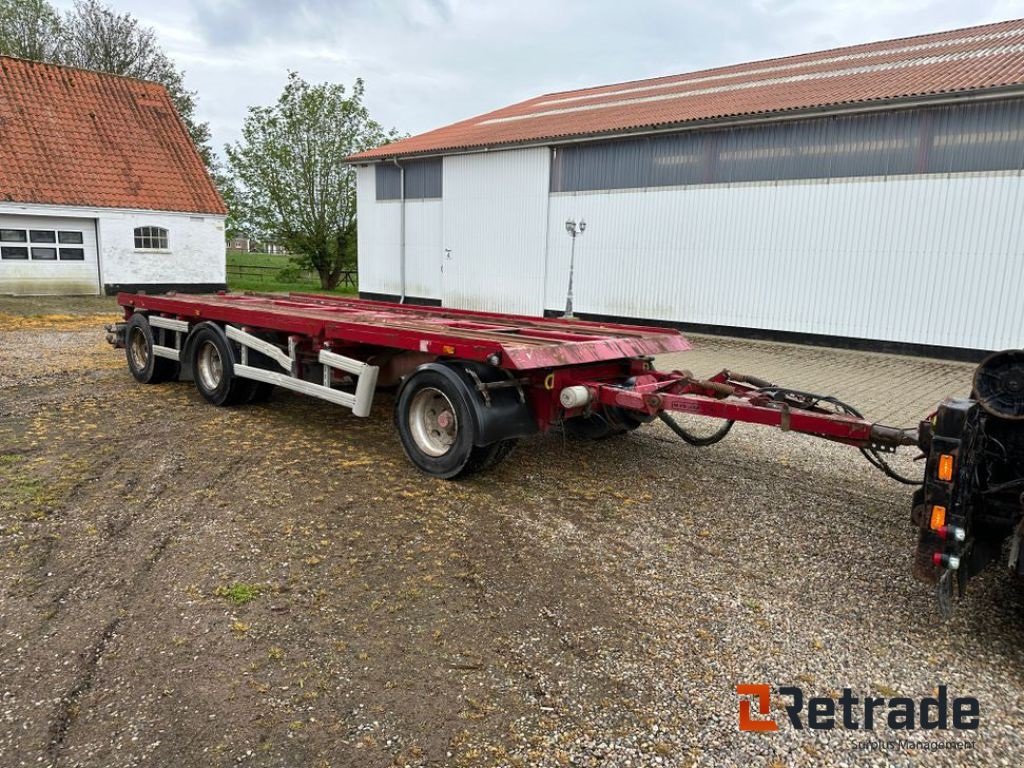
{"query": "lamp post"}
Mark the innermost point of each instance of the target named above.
(573, 229)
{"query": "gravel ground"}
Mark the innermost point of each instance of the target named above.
(183, 585)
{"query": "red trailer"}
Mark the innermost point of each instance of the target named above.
(470, 384)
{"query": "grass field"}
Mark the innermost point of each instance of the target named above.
(268, 280)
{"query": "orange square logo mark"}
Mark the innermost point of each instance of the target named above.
(764, 695)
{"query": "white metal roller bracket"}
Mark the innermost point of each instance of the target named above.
(366, 375)
(170, 324)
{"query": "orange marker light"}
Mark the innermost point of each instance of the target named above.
(946, 467)
(938, 517)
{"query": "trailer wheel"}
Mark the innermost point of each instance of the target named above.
(212, 369)
(436, 426)
(485, 457)
(144, 366)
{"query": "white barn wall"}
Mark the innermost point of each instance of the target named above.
(923, 260)
(424, 247)
(196, 254)
(378, 237)
(495, 217)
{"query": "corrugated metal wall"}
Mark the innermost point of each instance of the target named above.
(495, 215)
(949, 139)
(928, 260)
(380, 227)
(379, 236)
(778, 227)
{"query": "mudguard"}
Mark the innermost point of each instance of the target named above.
(186, 350)
(500, 415)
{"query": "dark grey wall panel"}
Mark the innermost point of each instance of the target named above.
(954, 139)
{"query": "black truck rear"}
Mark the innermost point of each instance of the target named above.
(971, 506)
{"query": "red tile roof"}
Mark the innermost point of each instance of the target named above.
(972, 59)
(74, 137)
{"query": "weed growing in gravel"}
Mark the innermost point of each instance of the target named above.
(239, 593)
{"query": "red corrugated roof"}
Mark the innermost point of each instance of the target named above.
(971, 59)
(74, 137)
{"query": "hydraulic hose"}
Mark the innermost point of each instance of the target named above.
(695, 440)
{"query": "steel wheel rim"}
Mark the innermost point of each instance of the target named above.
(138, 349)
(211, 367)
(433, 422)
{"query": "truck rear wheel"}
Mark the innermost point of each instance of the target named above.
(213, 369)
(437, 429)
(145, 366)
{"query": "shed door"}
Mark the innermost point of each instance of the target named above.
(48, 255)
(495, 219)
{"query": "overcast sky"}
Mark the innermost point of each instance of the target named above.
(427, 63)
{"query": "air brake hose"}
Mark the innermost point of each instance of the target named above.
(699, 442)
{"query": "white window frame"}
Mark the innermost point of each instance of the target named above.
(151, 233)
(57, 246)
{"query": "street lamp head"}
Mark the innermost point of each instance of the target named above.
(570, 227)
(583, 226)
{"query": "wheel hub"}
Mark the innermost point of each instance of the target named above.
(139, 349)
(432, 422)
(211, 367)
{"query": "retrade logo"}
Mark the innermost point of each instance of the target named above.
(850, 712)
(763, 694)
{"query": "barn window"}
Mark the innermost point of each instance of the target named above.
(423, 179)
(389, 182)
(151, 238)
(40, 241)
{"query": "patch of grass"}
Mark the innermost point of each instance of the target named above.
(35, 306)
(276, 286)
(285, 280)
(239, 593)
(243, 258)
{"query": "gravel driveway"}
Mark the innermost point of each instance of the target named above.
(276, 586)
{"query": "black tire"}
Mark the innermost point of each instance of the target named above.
(439, 445)
(144, 366)
(488, 456)
(213, 368)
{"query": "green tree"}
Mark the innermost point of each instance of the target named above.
(93, 36)
(291, 185)
(29, 29)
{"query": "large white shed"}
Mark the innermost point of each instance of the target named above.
(869, 196)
